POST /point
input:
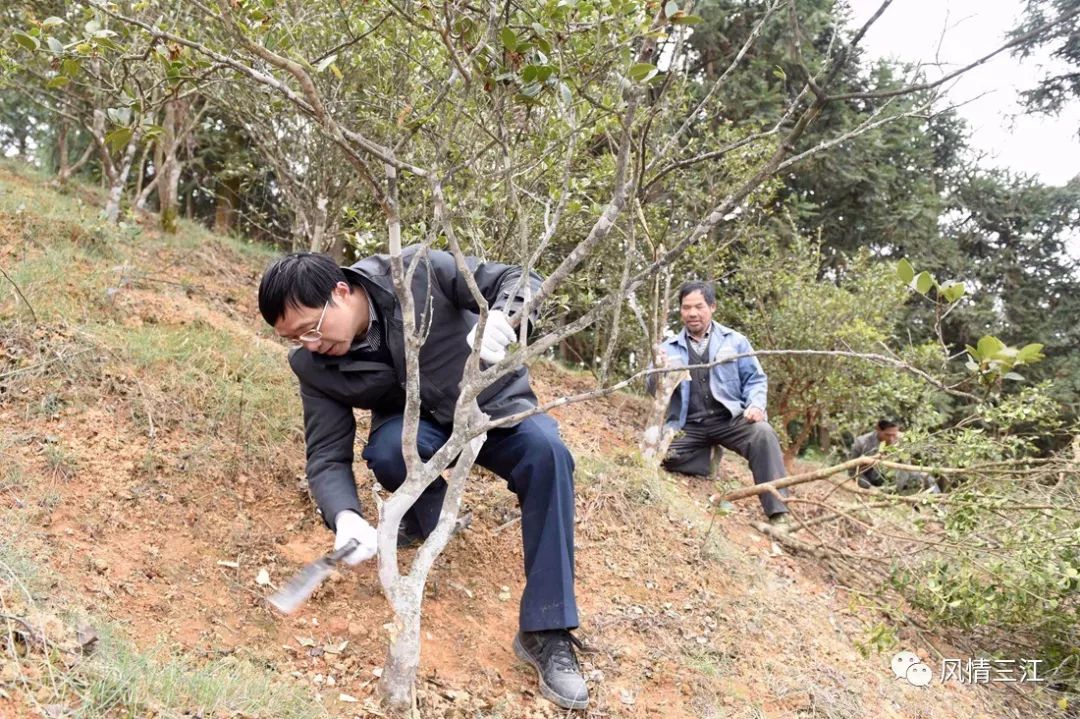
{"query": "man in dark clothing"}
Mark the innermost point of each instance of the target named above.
(723, 404)
(346, 325)
(887, 432)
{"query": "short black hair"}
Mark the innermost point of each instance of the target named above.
(302, 279)
(884, 424)
(705, 288)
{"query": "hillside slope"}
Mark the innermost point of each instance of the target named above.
(153, 467)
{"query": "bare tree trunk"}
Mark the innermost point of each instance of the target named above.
(318, 224)
(62, 171)
(406, 592)
(656, 438)
(337, 248)
(168, 166)
(97, 131)
(142, 193)
(301, 236)
(228, 195)
(403, 656)
(66, 171)
(119, 178)
(616, 315)
(810, 420)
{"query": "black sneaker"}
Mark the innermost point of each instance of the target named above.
(407, 539)
(551, 654)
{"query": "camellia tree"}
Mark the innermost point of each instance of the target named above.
(557, 135)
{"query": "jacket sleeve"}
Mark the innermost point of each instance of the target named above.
(855, 452)
(329, 433)
(752, 378)
(496, 281)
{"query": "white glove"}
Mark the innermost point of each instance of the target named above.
(351, 525)
(497, 335)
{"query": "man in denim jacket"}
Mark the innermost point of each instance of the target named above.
(723, 404)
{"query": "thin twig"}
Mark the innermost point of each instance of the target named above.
(20, 293)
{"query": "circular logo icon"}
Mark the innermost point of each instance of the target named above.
(902, 661)
(919, 675)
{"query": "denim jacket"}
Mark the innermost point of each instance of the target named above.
(737, 384)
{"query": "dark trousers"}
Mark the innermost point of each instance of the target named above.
(754, 441)
(538, 467)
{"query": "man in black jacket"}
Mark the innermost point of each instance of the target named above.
(346, 325)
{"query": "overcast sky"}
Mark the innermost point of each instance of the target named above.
(910, 30)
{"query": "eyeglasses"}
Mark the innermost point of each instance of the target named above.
(312, 335)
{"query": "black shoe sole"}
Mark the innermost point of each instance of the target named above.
(549, 693)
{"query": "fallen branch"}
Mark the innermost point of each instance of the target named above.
(861, 463)
(20, 293)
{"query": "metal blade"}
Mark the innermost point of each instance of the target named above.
(289, 598)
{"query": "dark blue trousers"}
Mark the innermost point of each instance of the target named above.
(538, 467)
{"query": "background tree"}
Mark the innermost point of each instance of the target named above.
(1063, 84)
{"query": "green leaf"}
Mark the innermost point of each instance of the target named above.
(1030, 353)
(529, 73)
(905, 271)
(989, 346)
(70, 67)
(778, 73)
(642, 71)
(508, 38)
(30, 43)
(686, 20)
(952, 291)
(58, 81)
(118, 138)
(108, 44)
(923, 282)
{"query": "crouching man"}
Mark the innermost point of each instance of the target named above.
(346, 327)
